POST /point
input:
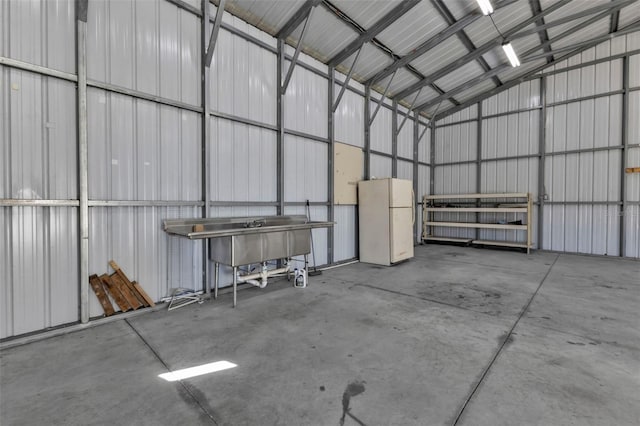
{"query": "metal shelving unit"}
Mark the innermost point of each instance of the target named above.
(516, 204)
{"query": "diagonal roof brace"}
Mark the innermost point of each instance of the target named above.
(432, 42)
(346, 81)
(528, 57)
(478, 52)
(297, 19)
(532, 74)
(372, 32)
(542, 35)
(214, 33)
(384, 95)
(294, 60)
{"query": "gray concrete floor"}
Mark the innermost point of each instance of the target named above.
(455, 336)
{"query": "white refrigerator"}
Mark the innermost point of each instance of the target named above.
(386, 218)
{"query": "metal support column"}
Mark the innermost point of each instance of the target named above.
(542, 141)
(280, 125)
(432, 159)
(367, 132)
(416, 195)
(624, 152)
(330, 150)
(394, 139)
(205, 27)
(478, 164)
(83, 157)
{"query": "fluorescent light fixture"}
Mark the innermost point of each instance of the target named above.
(199, 370)
(511, 54)
(485, 6)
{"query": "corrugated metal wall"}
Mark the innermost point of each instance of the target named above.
(583, 156)
(145, 148)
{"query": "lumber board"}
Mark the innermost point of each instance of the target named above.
(115, 293)
(128, 283)
(102, 296)
(144, 294)
(132, 300)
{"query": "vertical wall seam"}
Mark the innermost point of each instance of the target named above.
(478, 164)
(205, 132)
(624, 153)
(367, 133)
(542, 140)
(394, 139)
(330, 151)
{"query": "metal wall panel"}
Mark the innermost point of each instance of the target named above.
(243, 162)
(634, 123)
(305, 108)
(633, 179)
(305, 174)
(423, 181)
(345, 233)
(133, 237)
(381, 129)
(405, 170)
(349, 118)
(585, 81)
(585, 229)
(380, 166)
(140, 150)
(632, 226)
(524, 95)
(153, 47)
(458, 179)
(243, 79)
(38, 136)
(456, 143)
(39, 268)
(511, 135)
(319, 235)
(587, 124)
(39, 32)
(468, 113)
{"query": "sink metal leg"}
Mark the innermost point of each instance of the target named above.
(235, 284)
(216, 280)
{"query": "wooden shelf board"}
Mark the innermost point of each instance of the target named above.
(449, 239)
(477, 225)
(464, 196)
(500, 243)
(477, 209)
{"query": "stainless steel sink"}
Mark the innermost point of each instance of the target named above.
(237, 241)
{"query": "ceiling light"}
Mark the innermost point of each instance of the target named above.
(511, 54)
(197, 371)
(485, 6)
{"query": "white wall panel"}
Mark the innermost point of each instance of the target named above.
(458, 179)
(39, 268)
(405, 170)
(140, 150)
(423, 180)
(585, 124)
(468, 113)
(39, 32)
(349, 118)
(523, 96)
(153, 47)
(589, 176)
(632, 231)
(511, 135)
(345, 233)
(305, 103)
(243, 79)
(317, 213)
(38, 146)
(380, 167)
(456, 143)
(243, 162)
(380, 132)
(586, 81)
(634, 123)
(584, 229)
(634, 71)
(305, 163)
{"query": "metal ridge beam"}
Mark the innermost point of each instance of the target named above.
(380, 25)
(296, 19)
(533, 73)
(543, 35)
(528, 57)
(444, 11)
(478, 52)
(431, 43)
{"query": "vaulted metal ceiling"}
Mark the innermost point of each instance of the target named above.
(439, 56)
